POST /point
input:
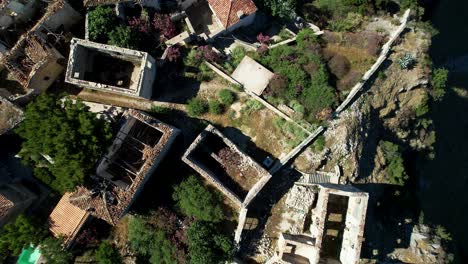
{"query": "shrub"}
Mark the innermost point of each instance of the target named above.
(122, 36)
(53, 251)
(277, 85)
(107, 254)
(139, 25)
(319, 144)
(197, 107)
(285, 9)
(195, 200)
(407, 61)
(207, 244)
(339, 66)
(394, 163)
(439, 83)
(206, 52)
(227, 97)
(441, 232)
(173, 53)
(423, 107)
(237, 54)
(164, 25)
(305, 37)
(215, 107)
(101, 20)
(263, 39)
(252, 106)
(350, 23)
(156, 109)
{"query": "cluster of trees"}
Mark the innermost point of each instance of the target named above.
(302, 76)
(198, 106)
(19, 234)
(141, 32)
(62, 140)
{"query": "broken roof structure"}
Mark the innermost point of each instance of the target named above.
(136, 152)
(209, 18)
(66, 220)
(33, 61)
(336, 230)
(226, 167)
(252, 75)
(10, 115)
(111, 69)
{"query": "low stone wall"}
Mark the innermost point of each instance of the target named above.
(383, 56)
(240, 224)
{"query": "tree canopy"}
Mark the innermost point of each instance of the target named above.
(70, 136)
(53, 251)
(394, 163)
(107, 254)
(18, 234)
(194, 199)
(207, 244)
(149, 242)
(101, 21)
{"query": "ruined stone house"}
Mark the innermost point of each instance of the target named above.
(139, 147)
(15, 198)
(211, 18)
(34, 61)
(16, 11)
(335, 235)
(10, 115)
(110, 69)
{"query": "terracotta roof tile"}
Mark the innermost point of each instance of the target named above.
(67, 219)
(228, 10)
(5, 205)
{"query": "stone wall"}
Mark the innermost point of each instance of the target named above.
(383, 56)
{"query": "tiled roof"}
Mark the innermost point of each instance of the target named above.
(67, 219)
(5, 205)
(228, 11)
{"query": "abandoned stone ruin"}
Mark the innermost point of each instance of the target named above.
(228, 169)
(332, 227)
(110, 69)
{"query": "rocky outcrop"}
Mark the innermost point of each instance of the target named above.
(424, 248)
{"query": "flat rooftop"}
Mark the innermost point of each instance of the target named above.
(224, 165)
(137, 150)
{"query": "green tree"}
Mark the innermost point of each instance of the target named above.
(52, 250)
(207, 244)
(101, 21)
(18, 234)
(122, 36)
(197, 107)
(107, 254)
(66, 132)
(196, 200)
(439, 83)
(280, 8)
(164, 252)
(149, 242)
(394, 163)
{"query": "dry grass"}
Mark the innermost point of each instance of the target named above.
(360, 60)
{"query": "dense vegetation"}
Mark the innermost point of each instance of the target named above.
(69, 134)
(107, 254)
(207, 244)
(195, 200)
(439, 83)
(18, 234)
(150, 243)
(394, 166)
(53, 251)
(301, 75)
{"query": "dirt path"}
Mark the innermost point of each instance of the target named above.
(124, 101)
